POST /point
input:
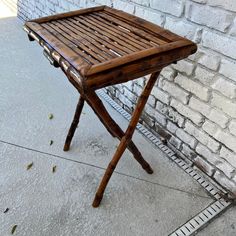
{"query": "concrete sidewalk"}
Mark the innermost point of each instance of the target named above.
(41, 202)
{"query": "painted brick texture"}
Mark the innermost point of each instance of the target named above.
(194, 100)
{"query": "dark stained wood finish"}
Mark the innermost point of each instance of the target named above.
(102, 46)
(126, 138)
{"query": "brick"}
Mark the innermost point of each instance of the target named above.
(193, 87)
(140, 81)
(171, 127)
(131, 96)
(204, 165)
(228, 155)
(188, 152)
(137, 89)
(225, 87)
(161, 95)
(219, 43)
(209, 60)
(173, 7)
(227, 139)
(196, 117)
(103, 2)
(210, 127)
(162, 108)
(200, 1)
(226, 4)
(233, 29)
(199, 106)
(224, 181)
(160, 118)
(208, 155)
(149, 15)
(232, 127)
(228, 69)
(149, 110)
(184, 67)
(126, 101)
(149, 122)
(213, 145)
(174, 116)
(218, 117)
(201, 136)
(176, 91)
(209, 16)
(141, 2)
(175, 142)
(186, 138)
(168, 73)
(226, 105)
(205, 76)
(119, 87)
(181, 28)
(226, 168)
(128, 85)
(124, 6)
(151, 101)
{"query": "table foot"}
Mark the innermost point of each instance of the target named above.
(66, 147)
(148, 169)
(97, 200)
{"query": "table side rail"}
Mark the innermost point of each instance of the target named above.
(67, 14)
(116, 62)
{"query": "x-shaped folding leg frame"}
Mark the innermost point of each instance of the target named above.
(125, 137)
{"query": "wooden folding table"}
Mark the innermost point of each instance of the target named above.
(99, 47)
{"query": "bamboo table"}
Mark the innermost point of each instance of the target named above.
(101, 46)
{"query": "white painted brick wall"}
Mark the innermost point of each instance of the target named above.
(204, 165)
(196, 117)
(232, 127)
(226, 105)
(209, 60)
(195, 100)
(195, 88)
(221, 44)
(228, 68)
(224, 86)
(175, 91)
(173, 7)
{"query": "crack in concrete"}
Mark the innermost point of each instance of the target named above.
(102, 168)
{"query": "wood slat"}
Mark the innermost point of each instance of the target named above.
(118, 28)
(88, 39)
(123, 36)
(100, 30)
(114, 46)
(139, 22)
(54, 30)
(97, 37)
(140, 32)
(117, 37)
(80, 42)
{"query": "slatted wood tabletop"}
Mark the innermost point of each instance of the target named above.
(103, 39)
(101, 46)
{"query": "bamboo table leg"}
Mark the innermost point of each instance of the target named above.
(114, 129)
(74, 123)
(126, 138)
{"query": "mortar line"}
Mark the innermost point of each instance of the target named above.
(102, 168)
